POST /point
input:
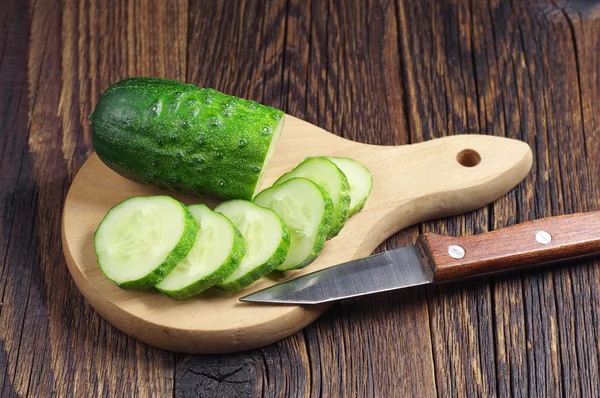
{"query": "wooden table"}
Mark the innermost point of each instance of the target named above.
(374, 71)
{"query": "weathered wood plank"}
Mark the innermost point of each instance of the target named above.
(247, 59)
(576, 286)
(441, 67)
(364, 94)
(549, 107)
(77, 48)
(22, 329)
(511, 316)
(336, 72)
(527, 361)
(532, 346)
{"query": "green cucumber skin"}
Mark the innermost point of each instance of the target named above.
(270, 265)
(183, 247)
(220, 274)
(359, 206)
(183, 138)
(324, 226)
(337, 223)
(344, 212)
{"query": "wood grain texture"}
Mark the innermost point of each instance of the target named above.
(376, 71)
(76, 49)
(545, 241)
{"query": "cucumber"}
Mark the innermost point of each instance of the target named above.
(266, 238)
(308, 213)
(217, 252)
(141, 239)
(360, 180)
(327, 175)
(184, 138)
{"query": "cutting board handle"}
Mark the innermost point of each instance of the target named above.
(437, 178)
(538, 242)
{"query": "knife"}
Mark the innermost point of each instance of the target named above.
(437, 258)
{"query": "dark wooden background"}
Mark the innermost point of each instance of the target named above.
(376, 71)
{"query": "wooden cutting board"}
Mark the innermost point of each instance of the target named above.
(411, 183)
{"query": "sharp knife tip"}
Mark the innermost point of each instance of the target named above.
(250, 299)
(256, 298)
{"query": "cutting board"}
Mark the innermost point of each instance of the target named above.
(412, 183)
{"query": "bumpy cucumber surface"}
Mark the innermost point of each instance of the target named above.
(141, 239)
(184, 138)
(266, 240)
(359, 179)
(328, 176)
(307, 211)
(217, 252)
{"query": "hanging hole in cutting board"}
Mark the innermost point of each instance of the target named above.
(468, 157)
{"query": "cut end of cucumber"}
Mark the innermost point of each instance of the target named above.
(270, 153)
(136, 237)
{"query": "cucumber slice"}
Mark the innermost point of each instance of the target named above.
(360, 180)
(266, 239)
(217, 252)
(307, 211)
(327, 175)
(141, 239)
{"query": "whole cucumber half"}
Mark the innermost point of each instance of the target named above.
(184, 138)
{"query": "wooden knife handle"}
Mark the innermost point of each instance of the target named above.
(536, 242)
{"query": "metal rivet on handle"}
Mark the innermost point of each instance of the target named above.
(543, 237)
(456, 252)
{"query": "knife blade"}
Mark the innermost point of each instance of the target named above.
(436, 258)
(390, 270)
